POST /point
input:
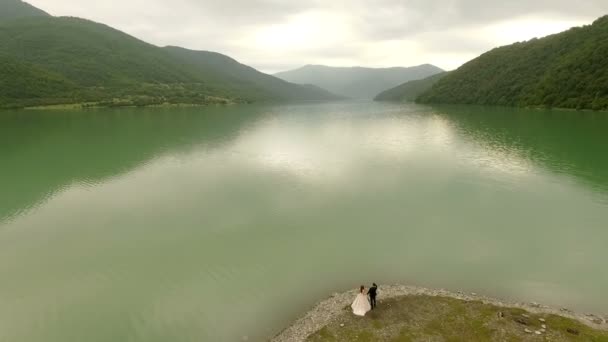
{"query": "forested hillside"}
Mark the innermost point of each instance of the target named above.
(409, 91)
(566, 70)
(242, 79)
(49, 60)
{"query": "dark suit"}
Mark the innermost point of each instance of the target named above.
(372, 295)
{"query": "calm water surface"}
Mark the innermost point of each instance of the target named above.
(224, 224)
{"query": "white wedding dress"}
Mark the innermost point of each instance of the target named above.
(361, 305)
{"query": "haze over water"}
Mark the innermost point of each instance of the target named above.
(219, 223)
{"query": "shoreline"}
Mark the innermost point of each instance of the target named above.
(327, 310)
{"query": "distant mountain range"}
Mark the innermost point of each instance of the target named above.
(565, 70)
(409, 91)
(48, 60)
(357, 82)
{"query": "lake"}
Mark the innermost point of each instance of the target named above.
(227, 223)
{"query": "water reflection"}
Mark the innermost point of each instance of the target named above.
(223, 222)
(43, 153)
(566, 142)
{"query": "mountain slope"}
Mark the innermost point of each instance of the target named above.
(567, 70)
(409, 91)
(97, 64)
(243, 79)
(356, 82)
(21, 81)
(12, 9)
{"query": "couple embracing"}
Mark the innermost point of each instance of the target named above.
(365, 301)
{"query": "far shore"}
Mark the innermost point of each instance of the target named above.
(330, 317)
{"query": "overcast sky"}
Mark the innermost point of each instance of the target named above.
(276, 35)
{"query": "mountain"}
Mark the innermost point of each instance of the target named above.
(565, 70)
(59, 60)
(221, 69)
(11, 9)
(409, 91)
(356, 82)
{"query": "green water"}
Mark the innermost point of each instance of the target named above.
(224, 224)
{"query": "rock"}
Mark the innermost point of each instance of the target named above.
(596, 320)
(341, 324)
(525, 315)
(528, 331)
(565, 310)
(542, 320)
(573, 331)
(501, 314)
(521, 321)
(538, 332)
(544, 326)
(535, 304)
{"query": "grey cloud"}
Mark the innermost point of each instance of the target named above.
(452, 27)
(398, 19)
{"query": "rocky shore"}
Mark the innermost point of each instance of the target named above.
(330, 309)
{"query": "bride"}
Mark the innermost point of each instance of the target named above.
(361, 304)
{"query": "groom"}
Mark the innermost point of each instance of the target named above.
(372, 295)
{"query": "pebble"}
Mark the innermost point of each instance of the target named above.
(542, 320)
(538, 332)
(528, 331)
(544, 326)
(473, 294)
(525, 315)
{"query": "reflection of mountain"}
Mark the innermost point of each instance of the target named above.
(41, 153)
(562, 142)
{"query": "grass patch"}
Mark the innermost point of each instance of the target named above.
(425, 318)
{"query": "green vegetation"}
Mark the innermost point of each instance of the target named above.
(409, 91)
(425, 318)
(49, 61)
(235, 78)
(11, 9)
(357, 82)
(565, 70)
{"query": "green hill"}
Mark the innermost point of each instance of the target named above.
(11, 9)
(64, 60)
(409, 91)
(243, 79)
(565, 70)
(357, 82)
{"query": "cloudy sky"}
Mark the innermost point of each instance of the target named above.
(276, 35)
